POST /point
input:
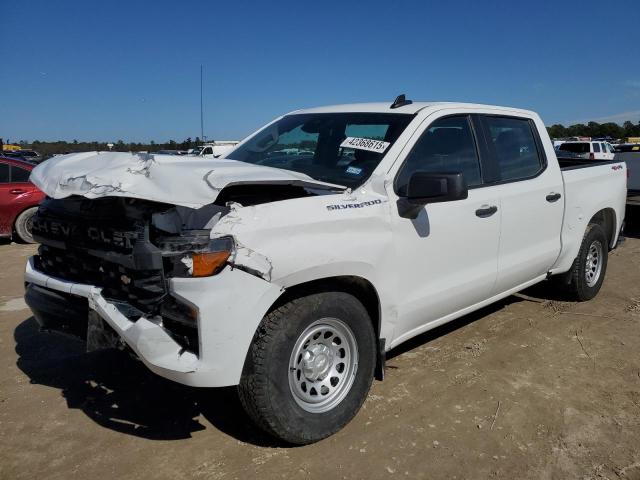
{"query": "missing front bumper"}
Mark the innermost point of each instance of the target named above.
(57, 311)
(46, 296)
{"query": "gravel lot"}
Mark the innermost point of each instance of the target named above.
(532, 387)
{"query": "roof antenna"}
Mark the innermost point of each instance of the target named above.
(400, 101)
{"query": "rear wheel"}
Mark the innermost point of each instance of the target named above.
(310, 367)
(589, 268)
(23, 225)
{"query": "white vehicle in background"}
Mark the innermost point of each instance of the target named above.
(291, 274)
(592, 150)
(216, 149)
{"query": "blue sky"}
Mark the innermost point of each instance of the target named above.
(129, 70)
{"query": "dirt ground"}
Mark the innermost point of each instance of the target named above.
(529, 388)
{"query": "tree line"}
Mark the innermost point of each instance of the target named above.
(62, 146)
(595, 129)
(591, 129)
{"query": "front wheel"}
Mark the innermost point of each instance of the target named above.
(310, 367)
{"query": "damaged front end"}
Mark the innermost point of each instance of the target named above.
(131, 250)
(156, 265)
(114, 244)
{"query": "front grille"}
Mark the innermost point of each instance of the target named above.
(141, 288)
(110, 243)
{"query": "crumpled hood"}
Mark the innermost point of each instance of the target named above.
(187, 181)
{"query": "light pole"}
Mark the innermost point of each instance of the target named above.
(201, 109)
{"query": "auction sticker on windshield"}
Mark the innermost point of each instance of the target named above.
(365, 144)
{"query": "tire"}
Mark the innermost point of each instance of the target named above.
(323, 342)
(23, 225)
(585, 281)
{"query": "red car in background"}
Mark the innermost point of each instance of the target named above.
(19, 199)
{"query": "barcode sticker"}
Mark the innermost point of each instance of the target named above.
(365, 144)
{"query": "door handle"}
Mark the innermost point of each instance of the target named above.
(16, 191)
(553, 197)
(486, 211)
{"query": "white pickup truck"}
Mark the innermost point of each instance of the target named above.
(291, 274)
(215, 149)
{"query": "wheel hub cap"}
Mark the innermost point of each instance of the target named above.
(317, 362)
(323, 365)
(593, 264)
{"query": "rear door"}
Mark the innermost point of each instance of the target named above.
(26, 193)
(530, 191)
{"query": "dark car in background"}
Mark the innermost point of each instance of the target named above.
(27, 155)
(629, 153)
(19, 199)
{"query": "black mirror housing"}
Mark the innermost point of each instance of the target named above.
(426, 187)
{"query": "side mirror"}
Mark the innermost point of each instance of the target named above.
(424, 188)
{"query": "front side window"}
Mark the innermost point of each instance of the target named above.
(19, 174)
(339, 148)
(514, 147)
(4, 173)
(447, 146)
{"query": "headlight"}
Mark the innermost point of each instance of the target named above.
(203, 261)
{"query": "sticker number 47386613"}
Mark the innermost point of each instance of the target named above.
(365, 144)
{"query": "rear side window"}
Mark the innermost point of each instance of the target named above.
(19, 174)
(514, 147)
(596, 147)
(578, 147)
(447, 146)
(4, 173)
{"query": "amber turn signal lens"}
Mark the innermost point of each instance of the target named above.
(209, 263)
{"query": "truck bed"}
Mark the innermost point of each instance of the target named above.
(572, 163)
(631, 159)
(589, 186)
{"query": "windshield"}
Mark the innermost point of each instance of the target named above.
(339, 148)
(575, 147)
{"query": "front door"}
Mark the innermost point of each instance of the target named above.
(447, 257)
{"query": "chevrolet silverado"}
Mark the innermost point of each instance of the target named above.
(325, 239)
